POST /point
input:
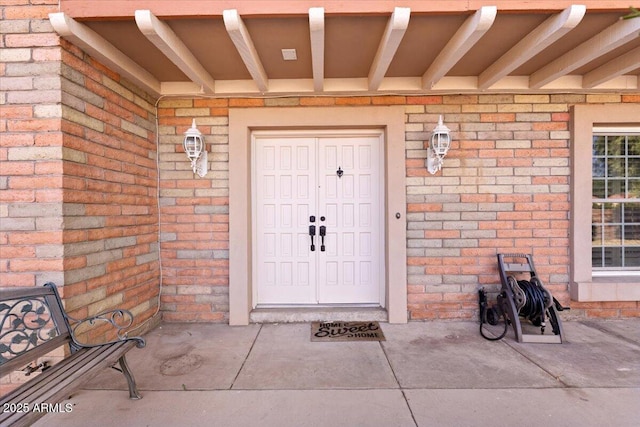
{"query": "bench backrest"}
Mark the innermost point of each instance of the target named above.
(33, 324)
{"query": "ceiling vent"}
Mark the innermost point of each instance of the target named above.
(289, 54)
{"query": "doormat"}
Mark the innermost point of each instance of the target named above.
(346, 331)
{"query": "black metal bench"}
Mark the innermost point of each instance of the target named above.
(34, 323)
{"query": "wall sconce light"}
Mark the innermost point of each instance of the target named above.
(438, 147)
(195, 149)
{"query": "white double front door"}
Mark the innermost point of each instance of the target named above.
(309, 184)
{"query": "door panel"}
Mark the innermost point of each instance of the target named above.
(286, 177)
(349, 270)
(297, 177)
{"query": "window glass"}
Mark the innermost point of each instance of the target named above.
(615, 229)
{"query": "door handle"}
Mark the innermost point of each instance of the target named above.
(323, 232)
(312, 232)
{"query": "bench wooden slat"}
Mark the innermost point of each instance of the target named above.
(34, 391)
(72, 375)
(56, 373)
(87, 371)
(84, 369)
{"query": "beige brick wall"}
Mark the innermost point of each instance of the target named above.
(504, 188)
(195, 214)
(31, 152)
(78, 172)
(78, 181)
(111, 254)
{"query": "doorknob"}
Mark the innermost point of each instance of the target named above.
(323, 232)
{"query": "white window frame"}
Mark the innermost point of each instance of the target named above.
(609, 285)
(616, 131)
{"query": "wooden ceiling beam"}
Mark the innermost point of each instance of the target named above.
(393, 34)
(242, 40)
(623, 64)
(612, 37)
(163, 37)
(96, 46)
(464, 39)
(120, 9)
(316, 30)
(535, 42)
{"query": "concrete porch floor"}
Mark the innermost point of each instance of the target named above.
(424, 374)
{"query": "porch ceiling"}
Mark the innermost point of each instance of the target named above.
(234, 48)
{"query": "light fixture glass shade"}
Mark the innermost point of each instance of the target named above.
(440, 139)
(438, 147)
(193, 144)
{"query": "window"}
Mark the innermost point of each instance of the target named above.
(604, 229)
(615, 227)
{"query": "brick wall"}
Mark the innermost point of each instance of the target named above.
(195, 214)
(78, 172)
(31, 209)
(504, 188)
(110, 190)
(78, 183)
(31, 201)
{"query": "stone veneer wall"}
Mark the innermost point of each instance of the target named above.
(31, 155)
(504, 188)
(194, 213)
(78, 172)
(78, 181)
(110, 187)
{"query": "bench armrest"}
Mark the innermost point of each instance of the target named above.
(118, 319)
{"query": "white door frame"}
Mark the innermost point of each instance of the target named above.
(242, 121)
(317, 134)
